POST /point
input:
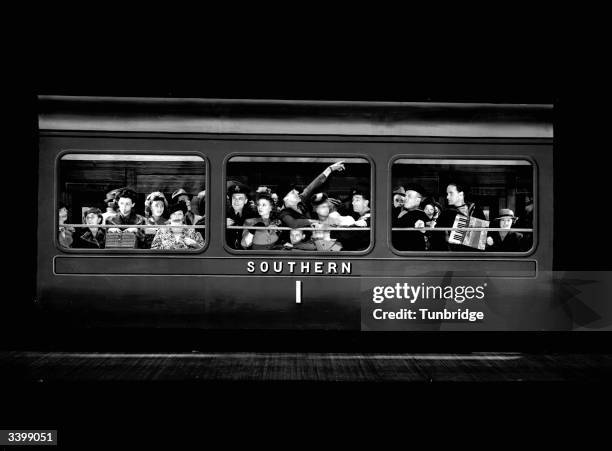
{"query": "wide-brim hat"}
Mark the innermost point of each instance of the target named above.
(506, 213)
(179, 192)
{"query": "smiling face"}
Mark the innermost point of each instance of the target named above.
(125, 206)
(360, 205)
(157, 208)
(264, 207)
(238, 201)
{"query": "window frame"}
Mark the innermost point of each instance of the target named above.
(284, 253)
(535, 192)
(140, 252)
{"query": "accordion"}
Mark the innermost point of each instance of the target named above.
(119, 240)
(476, 239)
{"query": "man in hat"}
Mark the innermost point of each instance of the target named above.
(126, 201)
(411, 216)
(180, 195)
(237, 212)
(94, 236)
(295, 212)
(358, 240)
(456, 198)
(505, 241)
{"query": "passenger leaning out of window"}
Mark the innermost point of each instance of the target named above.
(175, 238)
(126, 216)
(259, 239)
(94, 236)
(358, 240)
(295, 212)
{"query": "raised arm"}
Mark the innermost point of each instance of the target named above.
(321, 178)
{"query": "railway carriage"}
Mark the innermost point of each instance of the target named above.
(91, 146)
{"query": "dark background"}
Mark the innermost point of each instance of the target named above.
(514, 55)
(526, 76)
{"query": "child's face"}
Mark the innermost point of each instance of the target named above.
(125, 205)
(92, 219)
(296, 236)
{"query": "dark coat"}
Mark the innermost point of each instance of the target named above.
(233, 236)
(87, 240)
(512, 242)
(413, 240)
(357, 240)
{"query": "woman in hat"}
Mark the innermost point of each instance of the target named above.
(259, 239)
(505, 240)
(94, 237)
(155, 204)
(175, 238)
(180, 195)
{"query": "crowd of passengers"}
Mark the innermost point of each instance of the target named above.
(303, 219)
(121, 213)
(413, 209)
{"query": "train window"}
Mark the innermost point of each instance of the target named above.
(132, 202)
(462, 205)
(298, 204)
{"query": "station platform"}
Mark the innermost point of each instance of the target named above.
(195, 366)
